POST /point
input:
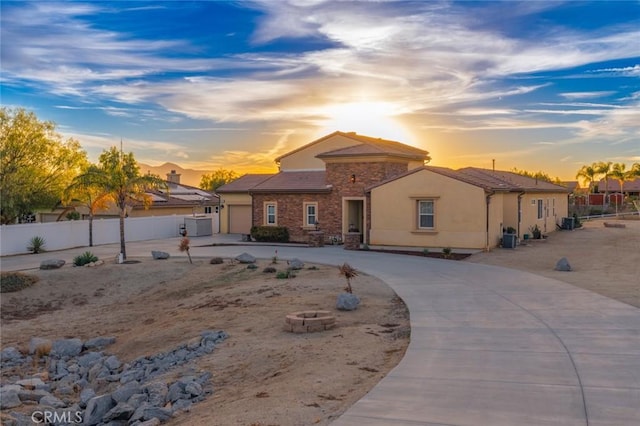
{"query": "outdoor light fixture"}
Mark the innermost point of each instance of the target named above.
(353, 179)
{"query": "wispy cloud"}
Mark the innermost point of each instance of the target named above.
(586, 95)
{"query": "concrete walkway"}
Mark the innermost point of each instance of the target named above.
(489, 346)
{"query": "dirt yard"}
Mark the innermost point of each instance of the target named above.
(262, 375)
(604, 260)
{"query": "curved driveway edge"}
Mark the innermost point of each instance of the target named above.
(489, 346)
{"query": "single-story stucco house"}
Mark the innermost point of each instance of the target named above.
(385, 191)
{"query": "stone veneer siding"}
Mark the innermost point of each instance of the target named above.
(290, 205)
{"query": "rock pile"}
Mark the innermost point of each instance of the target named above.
(85, 386)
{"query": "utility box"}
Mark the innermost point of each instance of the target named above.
(568, 223)
(198, 226)
(509, 240)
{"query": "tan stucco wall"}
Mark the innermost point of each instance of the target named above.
(230, 200)
(165, 211)
(305, 159)
(551, 215)
(460, 212)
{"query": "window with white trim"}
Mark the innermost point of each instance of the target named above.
(540, 209)
(426, 214)
(270, 214)
(310, 214)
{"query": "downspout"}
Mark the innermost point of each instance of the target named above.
(488, 200)
(520, 195)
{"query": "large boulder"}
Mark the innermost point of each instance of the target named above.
(66, 347)
(563, 265)
(9, 397)
(295, 264)
(52, 264)
(97, 407)
(347, 302)
(99, 342)
(245, 258)
(10, 354)
(159, 255)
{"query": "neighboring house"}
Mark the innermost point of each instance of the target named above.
(176, 199)
(382, 189)
(631, 188)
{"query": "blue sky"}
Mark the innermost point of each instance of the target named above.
(207, 84)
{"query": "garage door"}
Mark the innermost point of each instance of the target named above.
(239, 219)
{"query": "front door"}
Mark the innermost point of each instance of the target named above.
(353, 216)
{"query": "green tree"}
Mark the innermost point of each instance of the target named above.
(118, 177)
(213, 181)
(36, 164)
(540, 175)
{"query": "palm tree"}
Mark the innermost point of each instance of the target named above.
(604, 168)
(88, 195)
(118, 177)
(618, 173)
(588, 173)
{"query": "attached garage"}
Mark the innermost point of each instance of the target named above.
(239, 219)
(236, 213)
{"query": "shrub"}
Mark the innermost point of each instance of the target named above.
(270, 234)
(365, 247)
(283, 275)
(84, 258)
(252, 266)
(15, 281)
(269, 270)
(36, 244)
(74, 215)
(446, 252)
(425, 251)
(216, 261)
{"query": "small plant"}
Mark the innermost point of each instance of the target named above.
(313, 268)
(348, 272)
(274, 259)
(184, 246)
(446, 252)
(252, 266)
(535, 232)
(576, 221)
(84, 258)
(216, 261)
(36, 245)
(365, 247)
(269, 270)
(15, 281)
(41, 351)
(425, 252)
(283, 275)
(510, 230)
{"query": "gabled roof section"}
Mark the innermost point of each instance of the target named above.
(244, 183)
(294, 181)
(489, 180)
(365, 145)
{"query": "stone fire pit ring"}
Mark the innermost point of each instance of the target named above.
(309, 321)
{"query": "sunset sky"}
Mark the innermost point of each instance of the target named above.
(207, 84)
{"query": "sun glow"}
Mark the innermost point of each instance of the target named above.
(375, 119)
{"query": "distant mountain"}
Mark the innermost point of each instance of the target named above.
(187, 176)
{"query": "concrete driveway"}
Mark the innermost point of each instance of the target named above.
(489, 346)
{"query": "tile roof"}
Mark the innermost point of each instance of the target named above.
(244, 183)
(299, 181)
(367, 146)
(614, 185)
(489, 180)
(497, 180)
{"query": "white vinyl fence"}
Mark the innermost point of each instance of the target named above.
(14, 239)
